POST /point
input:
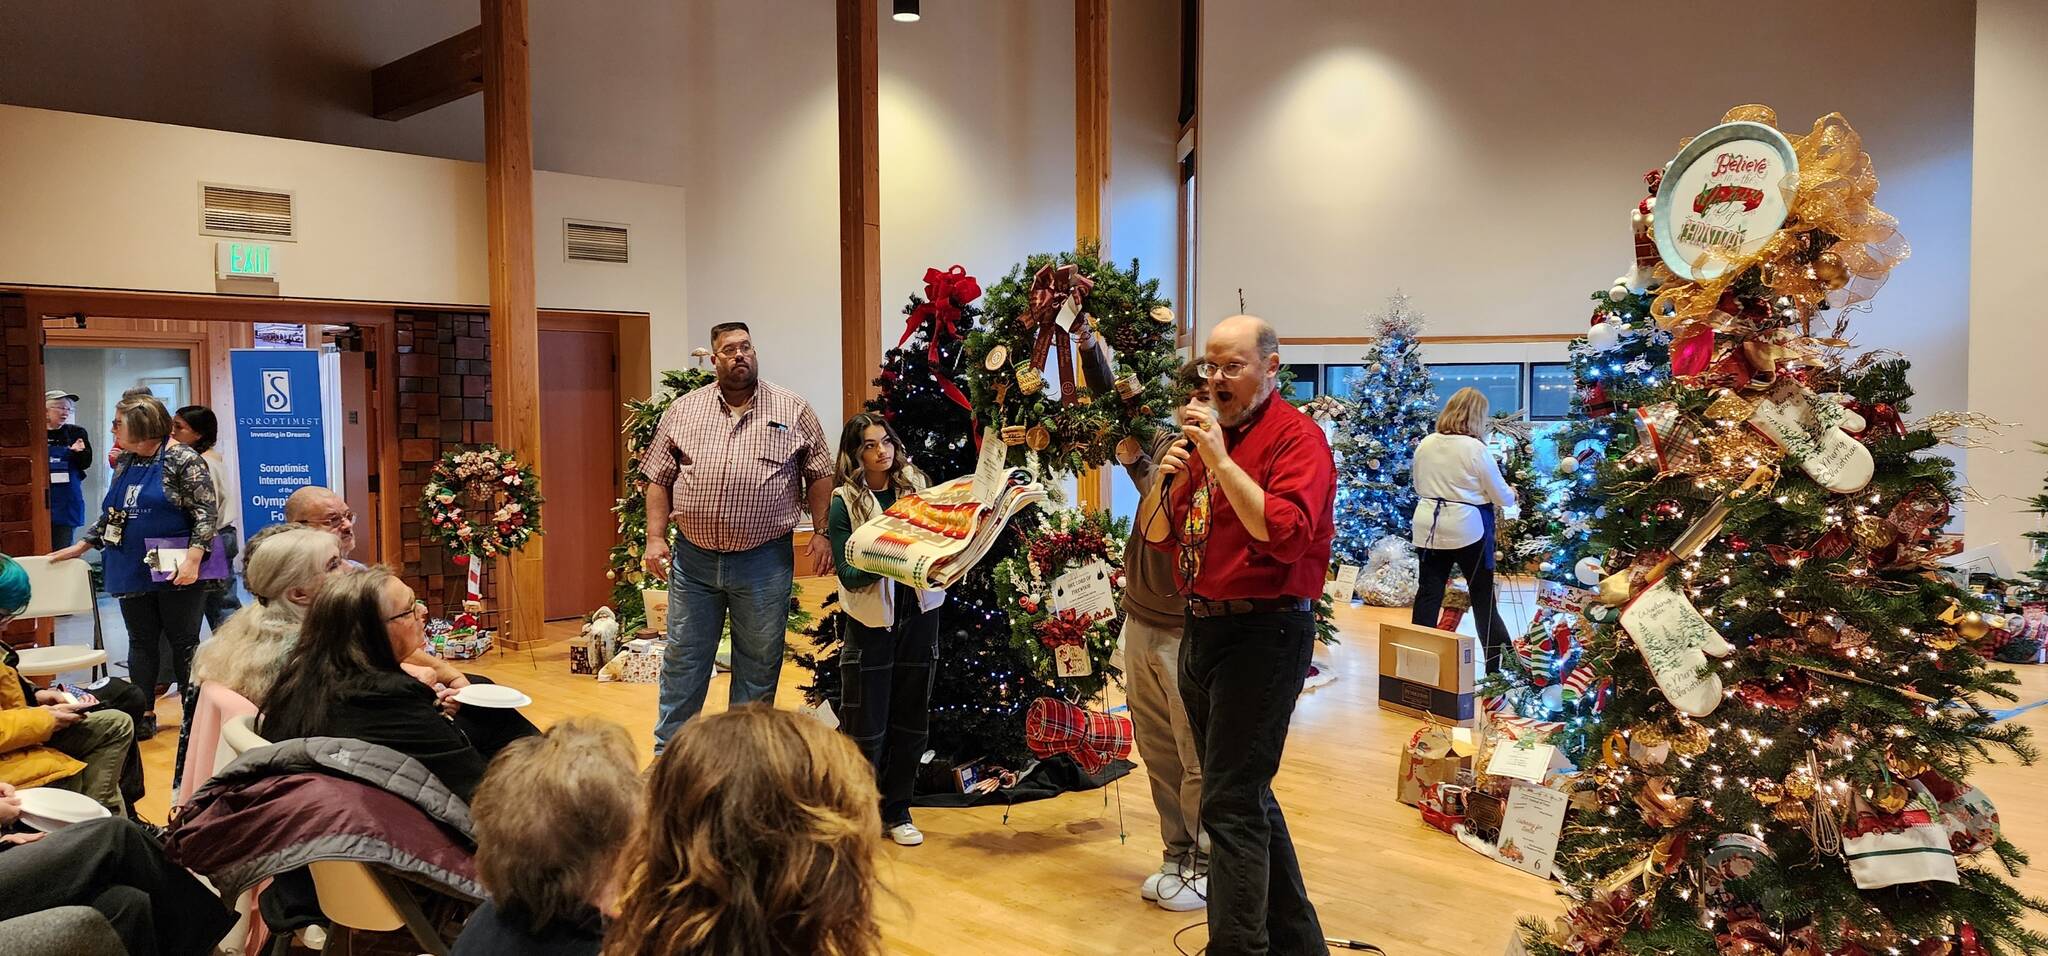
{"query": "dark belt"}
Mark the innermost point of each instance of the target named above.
(1205, 608)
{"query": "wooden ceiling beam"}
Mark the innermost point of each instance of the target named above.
(426, 78)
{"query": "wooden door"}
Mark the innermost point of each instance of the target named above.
(579, 465)
(359, 441)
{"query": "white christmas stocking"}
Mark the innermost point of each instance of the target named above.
(1676, 640)
(1811, 431)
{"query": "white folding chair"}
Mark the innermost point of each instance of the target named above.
(353, 896)
(61, 589)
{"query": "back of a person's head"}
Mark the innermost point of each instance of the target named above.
(760, 840)
(342, 638)
(553, 815)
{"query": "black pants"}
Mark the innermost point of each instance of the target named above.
(1429, 595)
(489, 729)
(885, 681)
(1239, 678)
(112, 866)
(171, 614)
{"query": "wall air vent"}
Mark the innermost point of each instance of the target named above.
(584, 241)
(245, 212)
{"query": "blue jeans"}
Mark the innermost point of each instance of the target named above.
(702, 586)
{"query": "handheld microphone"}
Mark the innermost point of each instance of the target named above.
(1166, 484)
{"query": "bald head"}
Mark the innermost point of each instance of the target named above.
(317, 507)
(1247, 345)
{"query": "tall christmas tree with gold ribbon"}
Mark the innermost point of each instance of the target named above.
(1784, 765)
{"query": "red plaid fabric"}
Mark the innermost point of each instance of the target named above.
(1056, 727)
(737, 482)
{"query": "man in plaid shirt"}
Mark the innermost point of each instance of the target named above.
(732, 467)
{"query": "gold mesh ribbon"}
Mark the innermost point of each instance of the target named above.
(1832, 195)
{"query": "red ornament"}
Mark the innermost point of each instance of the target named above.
(1738, 543)
(1668, 508)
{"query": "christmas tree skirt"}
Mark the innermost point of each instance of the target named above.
(1050, 778)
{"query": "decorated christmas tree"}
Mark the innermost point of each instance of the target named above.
(1784, 763)
(628, 573)
(1375, 446)
(1519, 544)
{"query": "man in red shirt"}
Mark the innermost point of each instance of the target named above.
(1249, 518)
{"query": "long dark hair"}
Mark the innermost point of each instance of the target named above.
(342, 641)
(205, 423)
(903, 473)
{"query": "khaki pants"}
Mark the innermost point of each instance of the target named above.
(101, 741)
(1165, 741)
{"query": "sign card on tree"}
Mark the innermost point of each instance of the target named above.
(1723, 197)
(1086, 591)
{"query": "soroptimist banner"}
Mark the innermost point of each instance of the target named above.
(279, 429)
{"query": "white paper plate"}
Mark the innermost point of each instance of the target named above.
(491, 695)
(48, 808)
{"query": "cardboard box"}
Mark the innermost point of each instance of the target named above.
(1427, 673)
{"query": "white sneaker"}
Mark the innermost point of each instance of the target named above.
(1149, 890)
(1182, 895)
(906, 834)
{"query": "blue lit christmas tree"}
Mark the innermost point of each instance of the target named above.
(1622, 363)
(1392, 408)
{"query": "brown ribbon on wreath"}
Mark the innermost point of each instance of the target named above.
(1051, 288)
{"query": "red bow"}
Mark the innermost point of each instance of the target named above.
(944, 293)
(1880, 419)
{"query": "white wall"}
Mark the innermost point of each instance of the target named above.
(2007, 270)
(1483, 156)
(111, 203)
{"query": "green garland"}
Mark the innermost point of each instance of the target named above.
(482, 502)
(1059, 542)
(1083, 434)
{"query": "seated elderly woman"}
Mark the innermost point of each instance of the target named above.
(552, 819)
(284, 569)
(46, 739)
(343, 679)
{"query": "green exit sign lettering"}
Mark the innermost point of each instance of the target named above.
(244, 260)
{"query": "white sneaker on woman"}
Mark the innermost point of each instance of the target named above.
(906, 834)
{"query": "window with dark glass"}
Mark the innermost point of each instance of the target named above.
(1500, 382)
(1550, 391)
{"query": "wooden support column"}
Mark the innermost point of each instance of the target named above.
(860, 194)
(1091, 166)
(515, 337)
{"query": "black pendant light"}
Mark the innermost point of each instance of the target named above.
(906, 11)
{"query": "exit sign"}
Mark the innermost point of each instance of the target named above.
(244, 260)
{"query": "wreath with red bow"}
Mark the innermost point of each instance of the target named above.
(482, 502)
(1024, 376)
(1027, 583)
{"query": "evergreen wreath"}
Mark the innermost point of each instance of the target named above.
(1025, 346)
(482, 502)
(1061, 542)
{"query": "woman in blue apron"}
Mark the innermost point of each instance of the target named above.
(153, 530)
(1459, 493)
(70, 456)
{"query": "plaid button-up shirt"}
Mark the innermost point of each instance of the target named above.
(737, 481)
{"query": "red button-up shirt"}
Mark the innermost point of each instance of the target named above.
(1286, 455)
(737, 481)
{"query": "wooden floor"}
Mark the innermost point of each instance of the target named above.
(1061, 876)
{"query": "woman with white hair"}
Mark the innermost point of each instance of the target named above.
(1459, 489)
(285, 567)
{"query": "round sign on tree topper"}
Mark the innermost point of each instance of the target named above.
(1723, 197)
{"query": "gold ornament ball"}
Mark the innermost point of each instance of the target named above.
(1830, 270)
(1691, 742)
(1800, 785)
(1973, 626)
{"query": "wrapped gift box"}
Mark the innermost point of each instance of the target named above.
(583, 656)
(634, 666)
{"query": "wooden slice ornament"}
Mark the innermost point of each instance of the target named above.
(1128, 451)
(1161, 314)
(998, 357)
(1038, 438)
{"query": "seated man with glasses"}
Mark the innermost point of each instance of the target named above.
(1249, 515)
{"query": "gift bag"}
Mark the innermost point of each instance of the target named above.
(582, 656)
(1888, 849)
(1433, 755)
(656, 602)
(1053, 726)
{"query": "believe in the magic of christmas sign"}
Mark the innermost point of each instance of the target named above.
(1723, 197)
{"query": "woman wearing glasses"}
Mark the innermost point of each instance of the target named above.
(1459, 489)
(344, 680)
